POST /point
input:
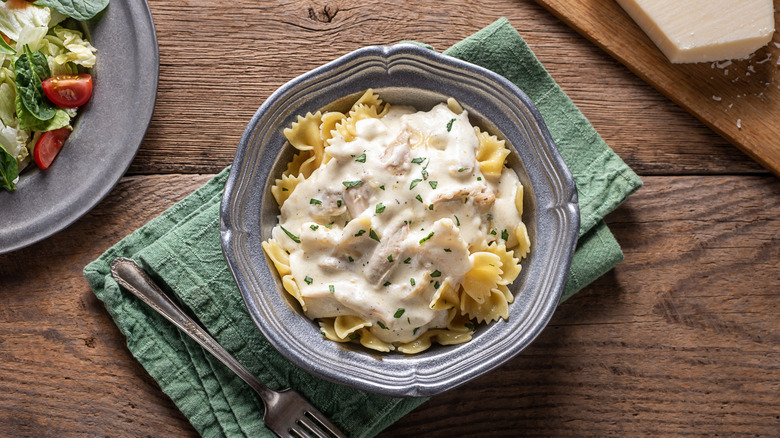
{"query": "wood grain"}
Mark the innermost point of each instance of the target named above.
(654, 347)
(739, 100)
(64, 367)
(218, 64)
(681, 339)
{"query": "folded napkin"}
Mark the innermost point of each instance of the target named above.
(181, 250)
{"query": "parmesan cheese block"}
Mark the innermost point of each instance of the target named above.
(704, 30)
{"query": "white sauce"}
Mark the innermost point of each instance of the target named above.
(362, 248)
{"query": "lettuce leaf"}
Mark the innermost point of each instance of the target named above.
(7, 104)
(32, 123)
(31, 69)
(5, 49)
(9, 170)
(79, 9)
(14, 20)
(79, 51)
(31, 36)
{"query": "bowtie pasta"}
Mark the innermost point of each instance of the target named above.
(398, 228)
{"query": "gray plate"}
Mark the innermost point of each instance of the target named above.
(106, 135)
(402, 74)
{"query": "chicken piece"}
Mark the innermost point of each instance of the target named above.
(352, 242)
(390, 244)
(332, 263)
(331, 206)
(396, 156)
(482, 197)
(357, 199)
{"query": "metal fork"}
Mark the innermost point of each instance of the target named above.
(287, 413)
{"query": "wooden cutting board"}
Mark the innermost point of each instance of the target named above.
(739, 100)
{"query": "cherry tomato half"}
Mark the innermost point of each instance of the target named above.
(49, 145)
(69, 91)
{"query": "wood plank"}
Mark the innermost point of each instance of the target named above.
(217, 67)
(64, 367)
(739, 100)
(681, 338)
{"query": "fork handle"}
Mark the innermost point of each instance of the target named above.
(129, 275)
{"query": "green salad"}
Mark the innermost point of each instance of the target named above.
(43, 79)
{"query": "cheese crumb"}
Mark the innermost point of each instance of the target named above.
(724, 64)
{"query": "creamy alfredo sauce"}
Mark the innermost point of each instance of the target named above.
(392, 216)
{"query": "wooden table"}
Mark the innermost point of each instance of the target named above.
(682, 338)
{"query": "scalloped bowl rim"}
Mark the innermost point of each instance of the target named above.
(392, 71)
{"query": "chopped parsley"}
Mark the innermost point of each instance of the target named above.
(338, 203)
(382, 187)
(408, 260)
(505, 235)
(447, 250)
(350, 258)
(372, 234)
(308, 280)
(350, 184)
(430, 207)
(493, 232)
(354, 336)
(419, 198)
(469, 326)
(418, 160)
(426, 238)
(329, 225)
(285, 189)
(387, 283)
(414, 183)
(449, 125)
(414, 332)
(436, 274)
(436, 286)
(398, 313)
(291, 235)
(380, 208)
(479, 178)
(457, 221)
(382, 325)
(314, 227)
(332, 288)
(361, 158)
(390, 258)
(315, 201)
(433, 184)
(411, 280)
(360, 233)
(463, 169)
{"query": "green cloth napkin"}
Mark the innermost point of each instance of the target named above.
(181, 250)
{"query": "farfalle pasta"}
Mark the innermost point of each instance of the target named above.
(398, 228)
